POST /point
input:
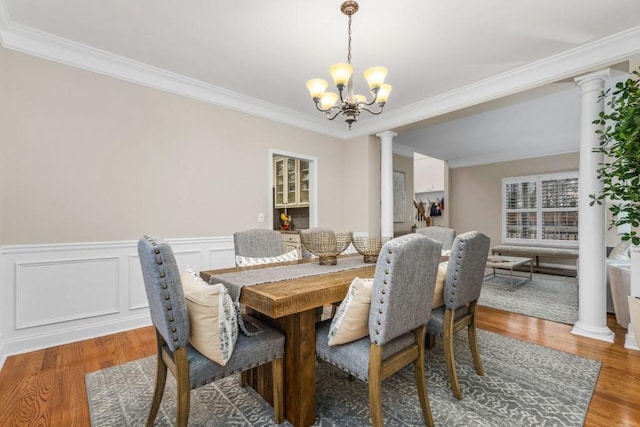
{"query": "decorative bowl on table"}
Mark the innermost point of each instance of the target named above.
(369, 247)
(326, 245)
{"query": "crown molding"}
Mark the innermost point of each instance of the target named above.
(585, 58)
(506, 156)
(580, 60)
(48, 46)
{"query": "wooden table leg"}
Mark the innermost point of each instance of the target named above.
(299, 368)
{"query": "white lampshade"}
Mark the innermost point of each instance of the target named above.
(375, 76)
(328, 100)
(360, 98)
(341, 73)
(383, 93)
(317, 87)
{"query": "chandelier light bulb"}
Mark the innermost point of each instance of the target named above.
(375, 76)
(328, 100)
(317, 87)
(341, 73)
(383, 93)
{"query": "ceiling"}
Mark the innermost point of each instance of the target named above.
(446, 60)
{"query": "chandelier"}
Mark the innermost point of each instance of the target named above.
(348, 103)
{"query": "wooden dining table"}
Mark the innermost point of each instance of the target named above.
(290, 305)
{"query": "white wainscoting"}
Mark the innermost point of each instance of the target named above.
(59, 293)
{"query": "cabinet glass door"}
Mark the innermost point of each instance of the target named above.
(279, 182)
(303, 173)
(291, 181)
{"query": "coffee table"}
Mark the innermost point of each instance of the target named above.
(497, 262)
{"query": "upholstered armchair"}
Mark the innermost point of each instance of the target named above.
(462, 286)
(441, 234)
(191, 369)
(401, 296)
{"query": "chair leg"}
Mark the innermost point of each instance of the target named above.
(278, 391)
(375, 379)
(161, 379)
(183, 387)
(420, 374)
(430, 341)
(447, 339)
(473, 339)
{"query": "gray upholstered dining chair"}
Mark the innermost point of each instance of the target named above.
(441, 234)
(400, 308)
(189, 367)
(462, 286)
(258, 242)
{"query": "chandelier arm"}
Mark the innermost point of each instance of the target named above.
(374, 91)
(335, 115)
(375, 113)
(324, 111)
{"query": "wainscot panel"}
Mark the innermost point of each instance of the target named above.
(59, 293)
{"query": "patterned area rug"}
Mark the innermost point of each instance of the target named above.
(524, 385)
(546, 296)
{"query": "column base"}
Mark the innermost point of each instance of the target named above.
(597, 333)
(630, 341)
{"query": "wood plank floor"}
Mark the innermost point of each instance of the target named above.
(46, 387)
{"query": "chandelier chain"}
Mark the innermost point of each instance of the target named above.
(349, 48)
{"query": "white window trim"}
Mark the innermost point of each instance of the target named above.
(539, 210)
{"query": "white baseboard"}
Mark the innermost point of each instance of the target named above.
(55, 294)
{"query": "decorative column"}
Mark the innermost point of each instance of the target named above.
(386, 183)
(592, 280)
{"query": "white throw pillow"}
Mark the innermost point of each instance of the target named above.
(438, 292)
(351, 321)
(212, 317)
(243, 261)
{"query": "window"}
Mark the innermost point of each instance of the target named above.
(541, 209)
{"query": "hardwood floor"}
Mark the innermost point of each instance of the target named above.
(46, 387)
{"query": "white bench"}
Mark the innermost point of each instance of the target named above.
(535, 252)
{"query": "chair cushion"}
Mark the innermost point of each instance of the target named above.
(351, 321)
(438, 292)
(249, 352)
(243, 261)
(354, 356)
(436, 323)
(212, 317)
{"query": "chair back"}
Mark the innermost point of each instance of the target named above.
(465, 273)
(403, 286)
(164, 291)
(258, 243)
(441, 234)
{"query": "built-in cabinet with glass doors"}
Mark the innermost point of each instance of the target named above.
(291, 182)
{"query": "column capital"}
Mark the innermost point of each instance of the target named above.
(601, 75)
(387, 134)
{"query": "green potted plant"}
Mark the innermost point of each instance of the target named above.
(620, 143)
(620, 172)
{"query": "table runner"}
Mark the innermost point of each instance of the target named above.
(239, 279)
(234, 282)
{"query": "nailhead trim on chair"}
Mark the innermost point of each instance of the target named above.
(454, 285)
(167, 297)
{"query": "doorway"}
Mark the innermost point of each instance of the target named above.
(293, 189)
